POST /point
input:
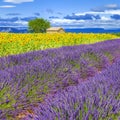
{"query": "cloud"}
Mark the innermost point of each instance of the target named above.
(21, 23)
(7, 6)
(37, 14)
(53, 17)
(104, 22)
(107, 17)
(58, 21)
(112, 12)
(112, 6)
(13, 19)
(82, 17)
(105, 13)
(116, 17)
(67, 23)
(14, 22)
(59, 13)
(18, 1)
(13, 14)
(50, 11)
(28, 18)
(98, 9)
(106, 7)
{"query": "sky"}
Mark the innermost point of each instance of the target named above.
(63, 13)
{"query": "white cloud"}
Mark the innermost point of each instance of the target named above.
(66, 21)
(18, 1)
(104, 18)
(104, 22)
(7, 6)
(112, 12)
(20, 22)
(112, 6)
(106, 12)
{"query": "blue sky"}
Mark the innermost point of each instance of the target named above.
(64, 13)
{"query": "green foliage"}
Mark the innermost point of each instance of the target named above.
(38, 25)
(117, 34)
(109, 55)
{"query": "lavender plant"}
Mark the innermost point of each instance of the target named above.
(96, 99)
(26, 79)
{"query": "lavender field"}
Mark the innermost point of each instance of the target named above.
(79, 82)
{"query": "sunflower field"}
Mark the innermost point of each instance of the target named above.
(19, 43)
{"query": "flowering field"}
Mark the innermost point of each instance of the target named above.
(78, 82)
(19, 43)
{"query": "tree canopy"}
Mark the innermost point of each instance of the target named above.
(38, 25)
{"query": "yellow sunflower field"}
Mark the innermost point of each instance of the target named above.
(11, 43)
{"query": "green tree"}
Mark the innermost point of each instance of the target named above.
(38, 25)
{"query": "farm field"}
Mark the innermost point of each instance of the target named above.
(77, 78)
(11, 43)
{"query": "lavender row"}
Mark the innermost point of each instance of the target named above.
(107, 47)
(50, 74)
(26, 84)
(96, 99)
